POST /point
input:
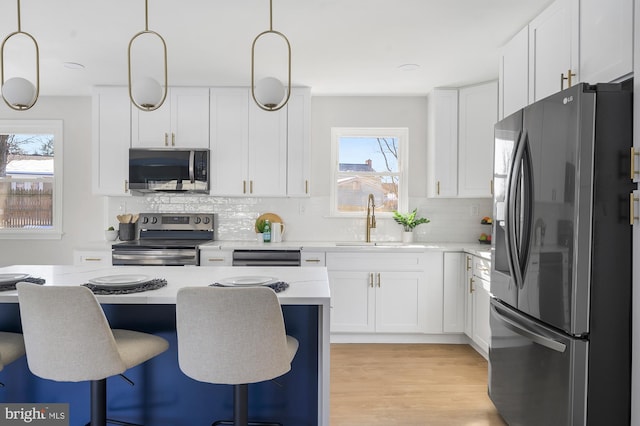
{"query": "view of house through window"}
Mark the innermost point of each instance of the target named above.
(369, 161)
(28, 173)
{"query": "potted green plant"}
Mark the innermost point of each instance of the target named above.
(259, 230)
(408, 222)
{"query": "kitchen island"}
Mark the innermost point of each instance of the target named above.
(163, 395)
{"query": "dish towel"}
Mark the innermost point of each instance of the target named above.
(153, 284)
(12, 285)
(277, 286)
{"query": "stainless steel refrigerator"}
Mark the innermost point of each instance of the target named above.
(560, 351)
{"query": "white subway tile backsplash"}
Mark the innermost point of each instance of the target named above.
(307, 219)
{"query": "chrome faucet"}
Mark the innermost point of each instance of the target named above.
(371, 217)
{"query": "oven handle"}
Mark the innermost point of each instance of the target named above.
(142, 254)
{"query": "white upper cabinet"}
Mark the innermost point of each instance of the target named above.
(229, 140)
(267, 151)
(606, 40)
(514, 74)
(182, 121)
(299, 143)
(478, 113)
(553, 49)
(256, 152)
(442, 122)
(460, 141)
(111, 139)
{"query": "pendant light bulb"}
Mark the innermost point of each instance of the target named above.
(269, 92)
(147, 92)
(19, 93)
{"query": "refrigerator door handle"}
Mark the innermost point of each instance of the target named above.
(531, 335)
(512, 215)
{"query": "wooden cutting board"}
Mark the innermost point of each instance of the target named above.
(271, 217)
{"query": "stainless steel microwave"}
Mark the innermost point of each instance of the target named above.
(168, 170)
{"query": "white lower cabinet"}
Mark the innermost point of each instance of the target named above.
(216, 257)
(453, 315)
(385, 292)
(312, 258)
(477, 302)
(92, 257)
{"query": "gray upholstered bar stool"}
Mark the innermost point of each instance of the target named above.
(11, 348)
(68, 339)
(233, 336)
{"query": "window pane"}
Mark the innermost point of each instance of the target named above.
(26, 181)
(353, 192)
(368, 154)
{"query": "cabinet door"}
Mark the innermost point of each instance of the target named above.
(442, 143)
(400, 302)
(468, 295)
(352, 301)
(299, 143)
(267, 151)
(229, 140)
(606, 40)
(478, 113)
(190, 117)
(182, 121)
(481, 304)
(553, 38)
(453, 293)
(151, 129)
(111, 140)
(514, 74)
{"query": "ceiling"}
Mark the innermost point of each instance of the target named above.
(339, 47)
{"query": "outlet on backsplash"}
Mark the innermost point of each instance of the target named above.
(475, 210)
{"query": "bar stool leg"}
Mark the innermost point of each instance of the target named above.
(99, 402)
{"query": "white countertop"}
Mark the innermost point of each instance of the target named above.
(477, 249)
(307, 286)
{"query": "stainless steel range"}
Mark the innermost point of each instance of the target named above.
(166, 239)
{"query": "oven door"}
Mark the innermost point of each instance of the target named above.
(155, 256)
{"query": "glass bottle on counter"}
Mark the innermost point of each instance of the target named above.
(266, 232)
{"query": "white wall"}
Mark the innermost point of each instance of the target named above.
(82, 212)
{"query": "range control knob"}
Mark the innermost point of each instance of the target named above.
(197, 220)
(145, 220)
(206, 220)
(154, 220)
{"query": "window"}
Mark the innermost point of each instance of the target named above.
(30, 179)
(369, 161)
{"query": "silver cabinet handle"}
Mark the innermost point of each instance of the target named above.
(371, 279)
(378, 279)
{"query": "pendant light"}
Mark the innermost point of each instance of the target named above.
(146, 93)
(19, 93)
(269, 93)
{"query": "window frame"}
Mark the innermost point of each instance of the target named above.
(55, 128)
(400, 133)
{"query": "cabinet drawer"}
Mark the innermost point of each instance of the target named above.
(482, 268)
(215, 258)
(93, 257)
(375, 261)
(312, 258)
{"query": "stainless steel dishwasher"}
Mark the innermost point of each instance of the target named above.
(266, 258)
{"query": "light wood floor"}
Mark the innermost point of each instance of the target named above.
(414, 384)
